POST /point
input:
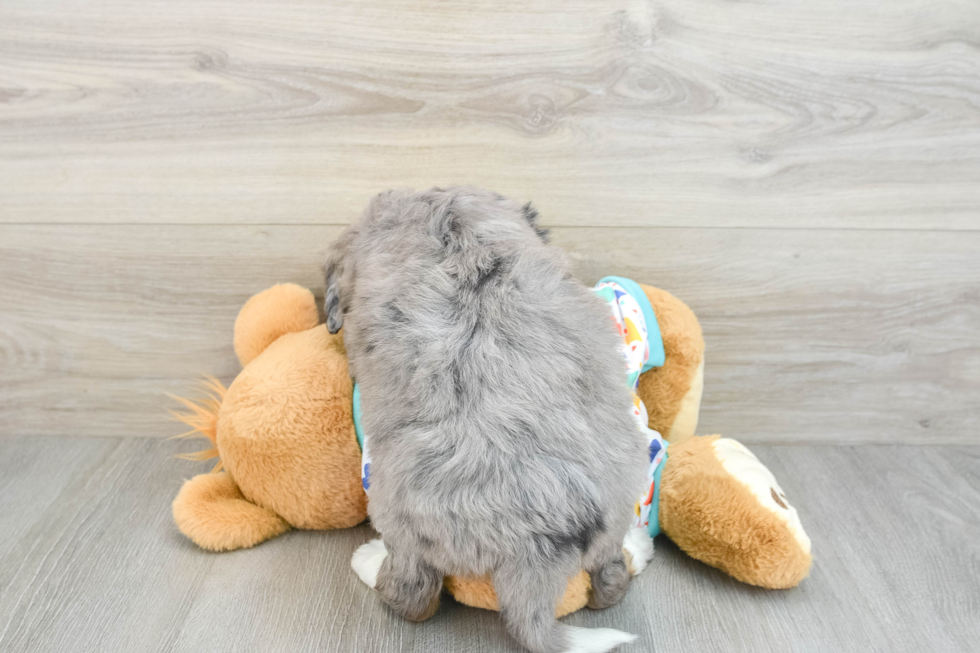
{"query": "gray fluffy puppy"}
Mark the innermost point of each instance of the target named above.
(497, 409)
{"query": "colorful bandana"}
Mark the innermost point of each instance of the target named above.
(637, 325)
(361, 440)
(642, 348)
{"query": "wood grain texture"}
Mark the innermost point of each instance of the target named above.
(668, 113)
(94, 563)
(812, 336)
(806, 175)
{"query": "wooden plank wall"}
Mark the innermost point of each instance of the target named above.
(805, 174)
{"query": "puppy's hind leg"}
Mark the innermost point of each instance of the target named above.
(608, 572)
(528, 593)
(408, 584)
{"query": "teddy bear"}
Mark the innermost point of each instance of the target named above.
(290, 453)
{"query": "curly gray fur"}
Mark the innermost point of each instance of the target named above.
(496, 403)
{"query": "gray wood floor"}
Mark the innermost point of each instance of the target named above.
(90, 561)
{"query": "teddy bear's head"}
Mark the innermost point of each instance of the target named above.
(282, 430)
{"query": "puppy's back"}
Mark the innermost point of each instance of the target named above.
(491, 388)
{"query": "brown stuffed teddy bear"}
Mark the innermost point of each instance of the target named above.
(289, 456)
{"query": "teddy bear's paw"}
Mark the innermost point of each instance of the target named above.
(595, 640)
(367, 561)
(750, 472)
(639, 545)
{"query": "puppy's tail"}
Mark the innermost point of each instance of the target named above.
(528, 596)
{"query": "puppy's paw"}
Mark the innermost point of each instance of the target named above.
(596, 640)
(639, 545)
(367, 560)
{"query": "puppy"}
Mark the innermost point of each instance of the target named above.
(499, 419)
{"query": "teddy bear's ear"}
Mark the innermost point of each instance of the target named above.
(285, 308)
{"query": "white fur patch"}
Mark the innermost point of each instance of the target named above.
(596, 640)
(750, 472)
(367, 560)
(640, 546)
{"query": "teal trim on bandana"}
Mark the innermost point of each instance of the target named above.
(657, 355)
(653, 526)
(358, 431)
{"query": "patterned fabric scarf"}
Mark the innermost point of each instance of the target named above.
(643, 349)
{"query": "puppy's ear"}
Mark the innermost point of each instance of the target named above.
(331, 302)
(336, 273)
(531, 215)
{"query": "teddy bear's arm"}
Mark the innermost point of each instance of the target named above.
(722, 506)
(672, 392)
(211, 511)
